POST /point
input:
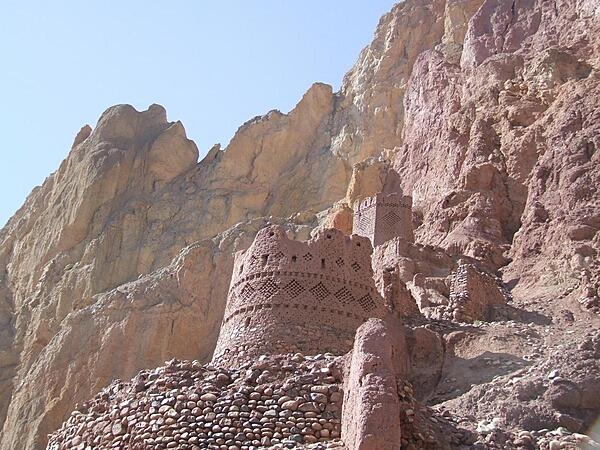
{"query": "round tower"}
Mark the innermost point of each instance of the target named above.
(288, 296)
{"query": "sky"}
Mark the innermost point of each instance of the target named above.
(211, 64)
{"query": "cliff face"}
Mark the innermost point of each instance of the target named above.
(500, 140)
(126, 201)
(485, 111)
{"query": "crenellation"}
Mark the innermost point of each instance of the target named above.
(384, 217)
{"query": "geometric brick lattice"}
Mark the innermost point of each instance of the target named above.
(247, 292)
(384, 217)
(319, 291)
(344, 296)
(268, 288)
(362, 224)
(391, 219)
(293, 289)
(355, 266)
(367, 302)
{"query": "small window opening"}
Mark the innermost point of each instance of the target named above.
(322, 263)
(265, 258)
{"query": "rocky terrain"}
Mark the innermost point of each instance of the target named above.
(486, 112)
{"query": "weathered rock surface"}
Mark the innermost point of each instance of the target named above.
(370, 116)
(371, 403)
(498, 147)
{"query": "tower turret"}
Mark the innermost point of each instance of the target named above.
(384, 217)
(288, 296)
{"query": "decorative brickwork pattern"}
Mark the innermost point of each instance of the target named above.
(289, 296)
(384, 217)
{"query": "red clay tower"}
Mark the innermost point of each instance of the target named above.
(288, 296)
(384, 217)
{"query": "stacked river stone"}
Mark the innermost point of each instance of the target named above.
(284, 401)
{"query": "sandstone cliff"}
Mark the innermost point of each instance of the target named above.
(485, 111)
(126, 201)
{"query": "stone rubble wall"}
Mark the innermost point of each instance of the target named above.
(439, 286)
(288, 296)
(474, 294)
(413, 258)
(285, 401)
(413, 277)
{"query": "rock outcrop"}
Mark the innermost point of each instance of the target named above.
(498, 146)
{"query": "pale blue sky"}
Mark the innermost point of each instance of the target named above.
(212, 65)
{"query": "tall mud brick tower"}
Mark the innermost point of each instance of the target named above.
(288, 296)
(384, 217)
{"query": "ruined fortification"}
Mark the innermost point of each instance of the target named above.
(288, 296)
(383, 217)
(278, 374)
(474, 294)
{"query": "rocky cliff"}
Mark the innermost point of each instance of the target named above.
(485, 111)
